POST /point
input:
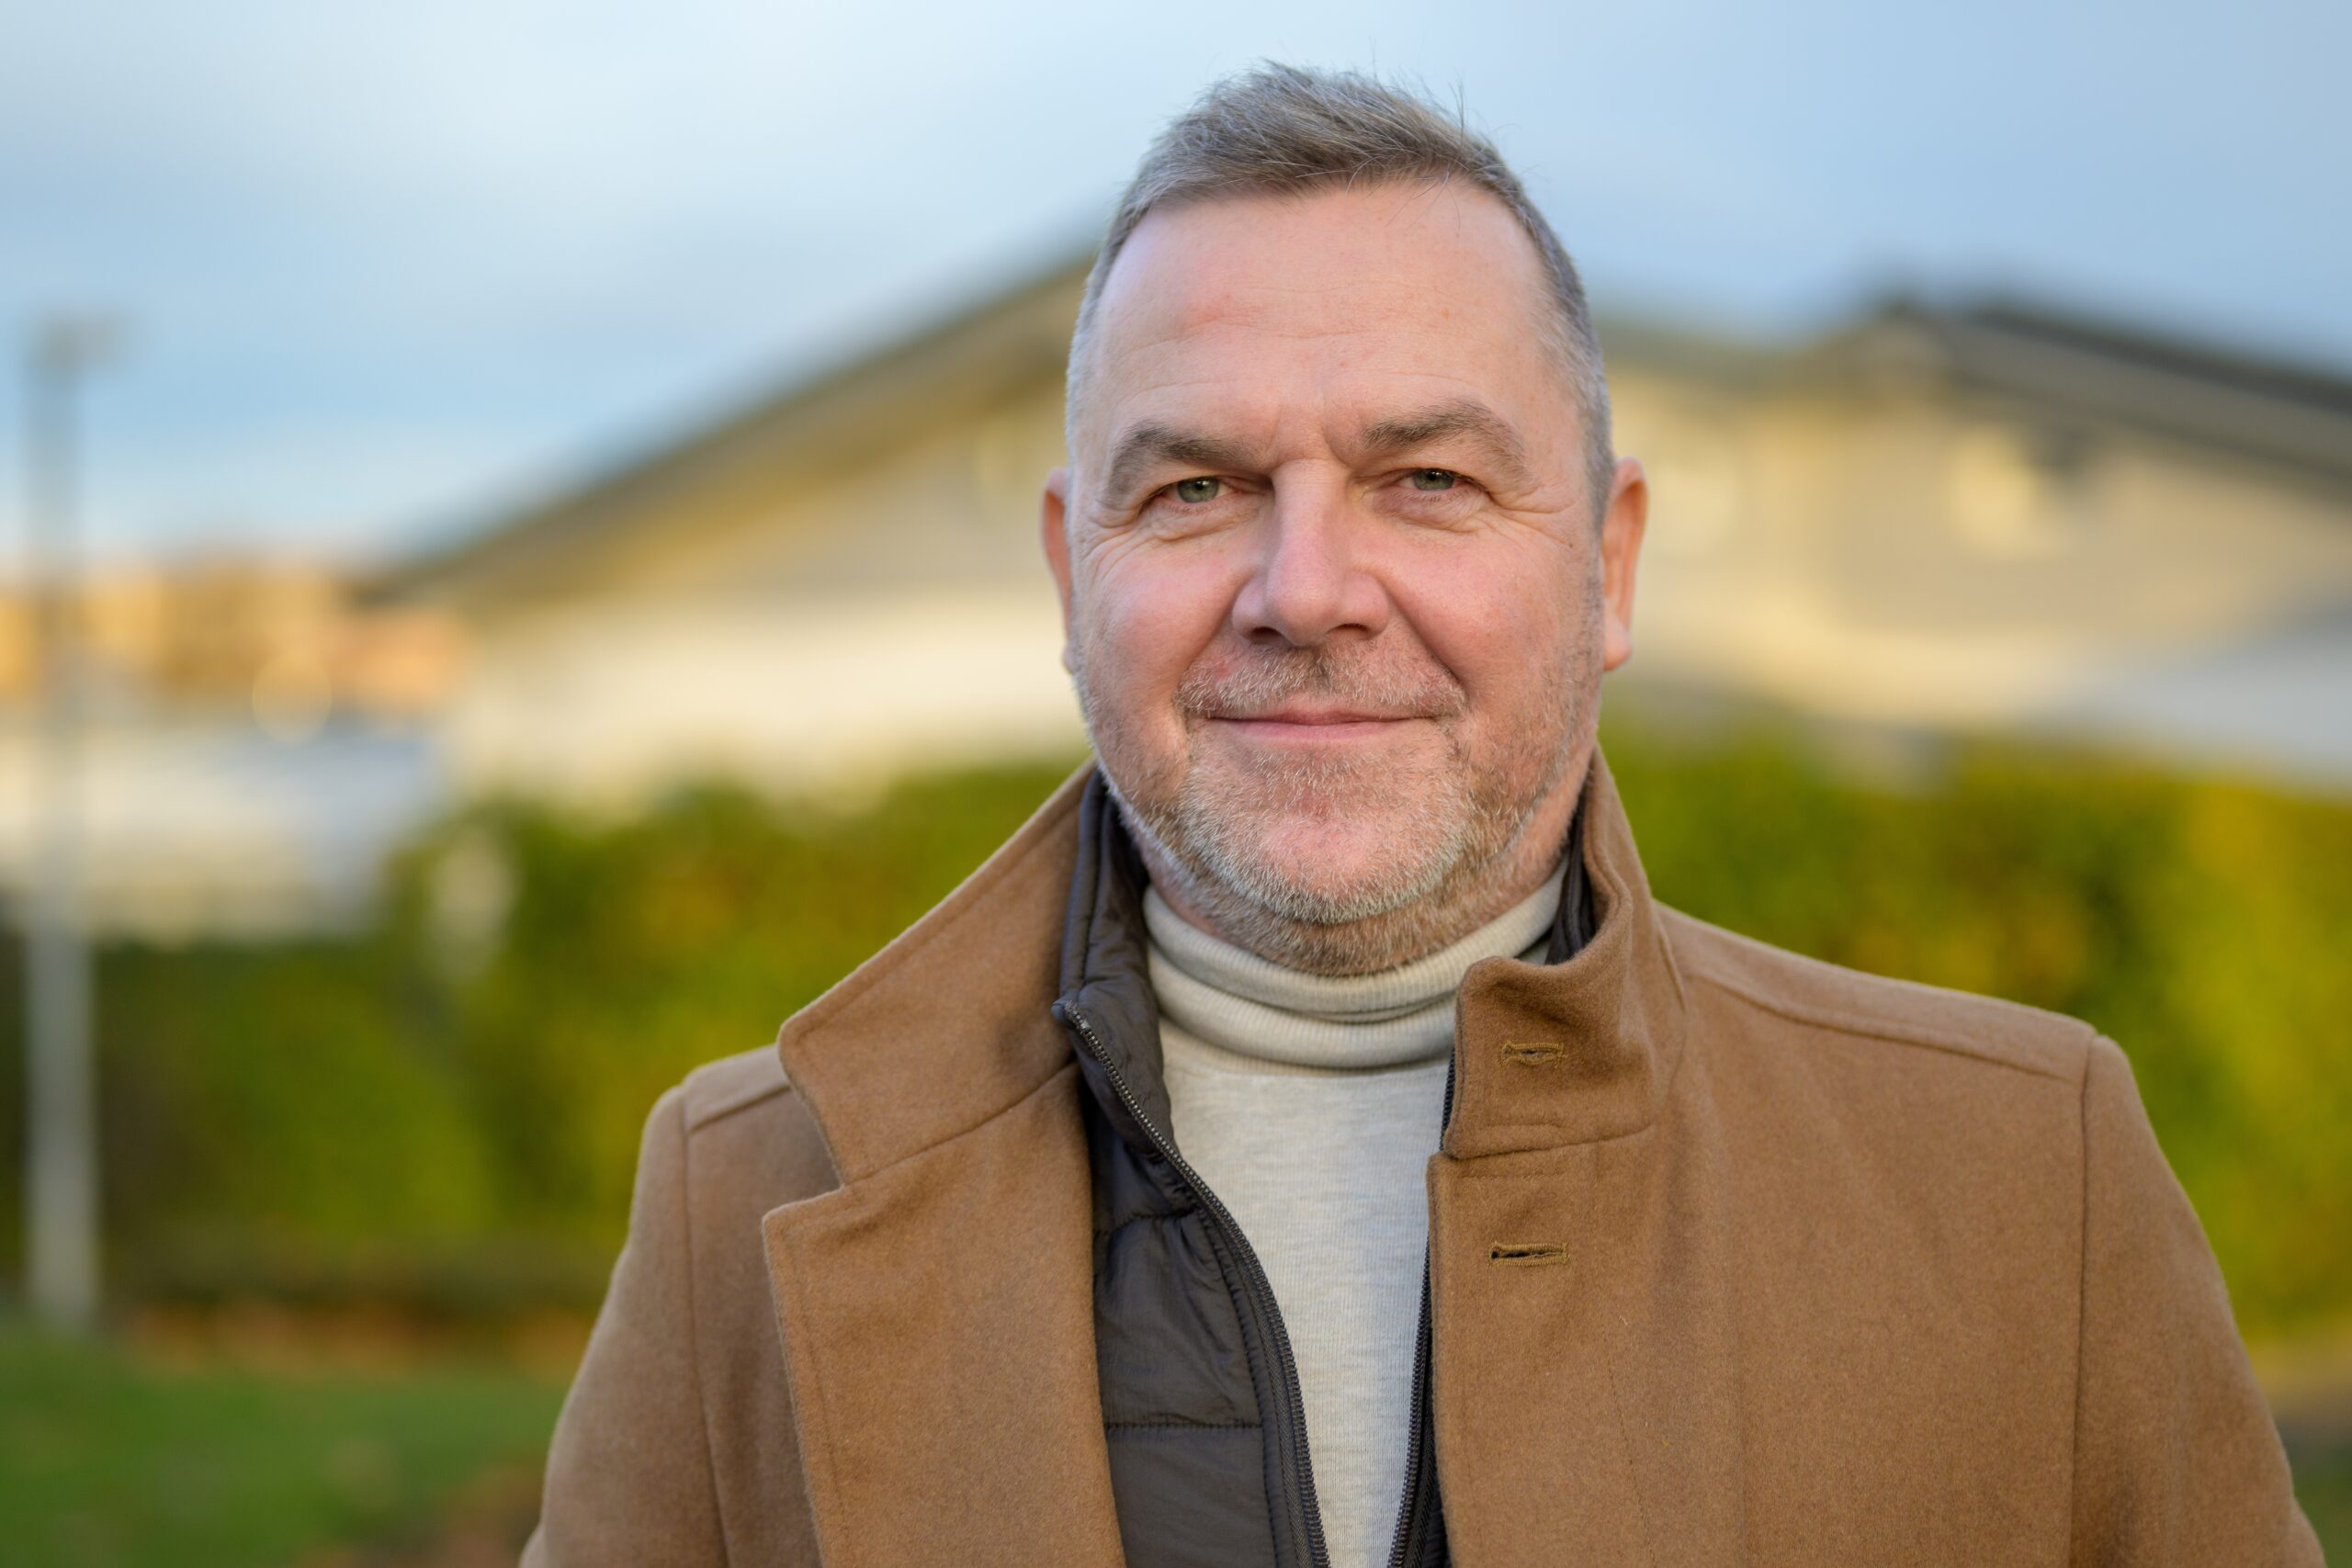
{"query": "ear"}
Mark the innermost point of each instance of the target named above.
(1620, 549)
(1053, 527)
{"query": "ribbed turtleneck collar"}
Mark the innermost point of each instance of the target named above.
(1270, 1017)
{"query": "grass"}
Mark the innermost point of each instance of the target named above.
(2323, 1486)
(106, 1458)
(110, 1459)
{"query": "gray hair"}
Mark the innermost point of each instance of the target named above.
(1279, 129)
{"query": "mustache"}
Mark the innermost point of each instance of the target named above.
(1242, 682)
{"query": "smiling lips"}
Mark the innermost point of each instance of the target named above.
(1300, 722)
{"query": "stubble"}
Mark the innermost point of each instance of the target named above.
(1454, 822)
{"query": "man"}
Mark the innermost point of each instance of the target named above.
(1307, 1142)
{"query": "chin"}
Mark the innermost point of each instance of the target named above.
(1321, 852)
(1329, 872)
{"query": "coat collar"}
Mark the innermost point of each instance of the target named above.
(885, 1079)
(941, 1295)
(951, 1024)
(1582, 1048)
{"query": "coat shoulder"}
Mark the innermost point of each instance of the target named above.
(749, 1133)
(1817, 995)
(732, 1084)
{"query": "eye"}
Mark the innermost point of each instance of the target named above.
(1433, 479)
(1196, 490)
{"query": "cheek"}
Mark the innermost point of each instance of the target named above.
(1149, 614)
(1499, 619)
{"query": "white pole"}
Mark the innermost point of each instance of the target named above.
(62, 1155)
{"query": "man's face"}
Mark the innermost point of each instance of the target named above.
(1336, 603)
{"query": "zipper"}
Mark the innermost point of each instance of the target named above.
(1253, 1273)
(1414, 1510)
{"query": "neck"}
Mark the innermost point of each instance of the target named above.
(1409, 933)
(1244, 1013)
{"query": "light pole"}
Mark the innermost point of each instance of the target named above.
(61, 1101)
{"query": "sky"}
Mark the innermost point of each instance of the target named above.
(387, 272)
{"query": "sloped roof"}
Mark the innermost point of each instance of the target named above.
(2076, 370)
(835, 417)
(2044, 363)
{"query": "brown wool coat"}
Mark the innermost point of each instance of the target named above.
(1840, 1270)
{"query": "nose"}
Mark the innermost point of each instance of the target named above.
(1308, 581)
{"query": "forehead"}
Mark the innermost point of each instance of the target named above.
(1259, 300)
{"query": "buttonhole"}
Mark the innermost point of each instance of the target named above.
(1527, 1254)
(1533, 1051)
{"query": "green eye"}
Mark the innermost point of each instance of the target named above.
(1433, 479)
(1196, 490)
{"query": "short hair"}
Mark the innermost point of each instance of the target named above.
(1282, 129)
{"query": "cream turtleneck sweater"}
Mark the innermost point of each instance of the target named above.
(1310, 1105)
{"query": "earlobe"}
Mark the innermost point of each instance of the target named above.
(1053, 533)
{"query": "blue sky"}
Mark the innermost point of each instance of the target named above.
(389, 269)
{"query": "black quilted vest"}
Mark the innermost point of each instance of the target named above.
(1201, 1405)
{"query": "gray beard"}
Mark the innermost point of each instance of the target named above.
(1375, 925)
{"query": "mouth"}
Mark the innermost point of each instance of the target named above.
(1302, 725)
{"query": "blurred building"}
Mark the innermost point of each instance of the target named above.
(2002, 520)
(284, 639)
(1931, 521)
(252, 743)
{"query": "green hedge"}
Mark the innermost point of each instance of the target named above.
(450, 1120)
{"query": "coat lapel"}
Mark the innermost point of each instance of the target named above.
(936, 1309)
(1585, 1383)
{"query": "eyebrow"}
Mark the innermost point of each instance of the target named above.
(1464, 417)
(1143, 445)
(1151, 442)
